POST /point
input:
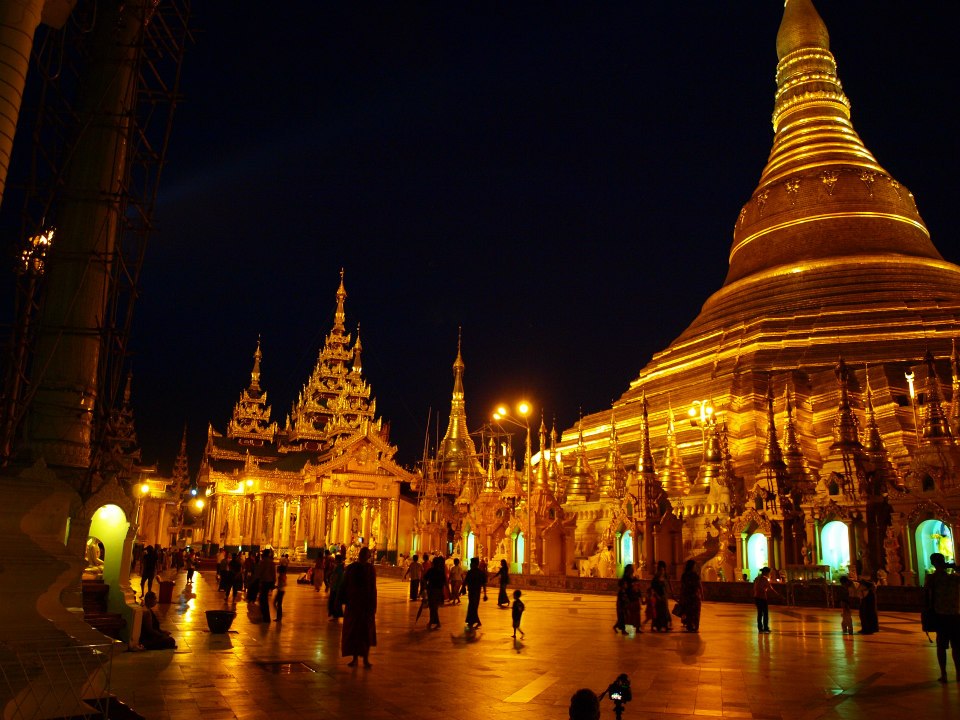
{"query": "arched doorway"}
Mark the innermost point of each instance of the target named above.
(756, 554)
(933, 536)
(624, 551)
(835, 547)
(519, 553)
(471, 546)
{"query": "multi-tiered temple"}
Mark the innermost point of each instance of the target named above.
(328, 477)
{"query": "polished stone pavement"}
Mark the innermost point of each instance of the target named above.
(804, 669)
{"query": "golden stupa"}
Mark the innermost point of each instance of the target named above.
(830, 262)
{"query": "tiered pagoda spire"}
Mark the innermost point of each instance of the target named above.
(649, 484)
(936, 428)
(771, 486)
(884, 472)
(847, 459)
(581, 484)
(457, 455)
(613, 477)
(336, 399)
(673, 474)
(180, 476)
(250, 422)
(803, 480)
(120, 448)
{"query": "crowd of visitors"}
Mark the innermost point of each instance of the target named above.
(437, 581)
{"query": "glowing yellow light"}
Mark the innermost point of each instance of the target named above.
(198, 503)
(249, 483)
(110, 514)
(501, 411)
(144, 489)
(910, 377)
(523, 408)
(692, 412)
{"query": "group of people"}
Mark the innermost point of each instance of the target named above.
(441, 580)
(654, 604)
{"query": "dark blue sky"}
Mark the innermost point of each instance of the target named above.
(559, 180)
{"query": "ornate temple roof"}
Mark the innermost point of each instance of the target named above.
(251, 415)
(335, 399)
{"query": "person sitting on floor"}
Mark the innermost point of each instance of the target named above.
(152, 636)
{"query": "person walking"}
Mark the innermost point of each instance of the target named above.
(317, 578)
(335, 598)
(847, 588)
(517, 612)
(435, 580)
(628, 601)
(456, 581)
(266, 578)
(661, 622)
(761, 598)
(190, 563)
(503, 575)
(414, 573)
(360, 617)
(148, 570)
(250, 566)
(941, 594)
(691, 597)
(476, 581)
(281, 590)
(869, 620)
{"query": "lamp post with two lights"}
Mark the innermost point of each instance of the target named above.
(502, 415)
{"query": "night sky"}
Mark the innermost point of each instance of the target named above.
(560, 180)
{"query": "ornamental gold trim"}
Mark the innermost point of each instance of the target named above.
(825, 216)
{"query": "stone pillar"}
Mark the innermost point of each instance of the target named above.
(365, 511)
(321, 533)
(256, 532)
(393, 526)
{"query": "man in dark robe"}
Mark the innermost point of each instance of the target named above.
(359, 594)
(476, 582)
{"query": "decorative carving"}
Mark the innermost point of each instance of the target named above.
(829, 179)
(762, 200)
(868, 178)
(793, 189)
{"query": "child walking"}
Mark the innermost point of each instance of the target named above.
(281, 590)
(846, 617)
(650, 608)
(518, 608)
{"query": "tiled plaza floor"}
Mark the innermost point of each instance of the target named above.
(805, 669)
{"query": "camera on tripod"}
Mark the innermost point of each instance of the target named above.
(619, 691)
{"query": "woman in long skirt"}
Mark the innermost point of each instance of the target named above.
(360, 600)
(659, 586)
(691, 597)
(476, 581)
(628, 601)
(435, 580)
(503, 575)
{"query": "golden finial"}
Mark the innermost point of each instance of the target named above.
(801, 27)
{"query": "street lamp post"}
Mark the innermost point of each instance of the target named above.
(503, 415)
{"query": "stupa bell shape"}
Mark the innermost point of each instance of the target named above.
(822, 194)
(830, 258)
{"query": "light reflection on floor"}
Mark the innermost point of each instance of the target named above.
(804, 669)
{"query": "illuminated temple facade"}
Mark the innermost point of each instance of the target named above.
(326, 478)
(807, 419)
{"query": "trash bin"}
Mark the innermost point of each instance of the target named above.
(166, 592)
